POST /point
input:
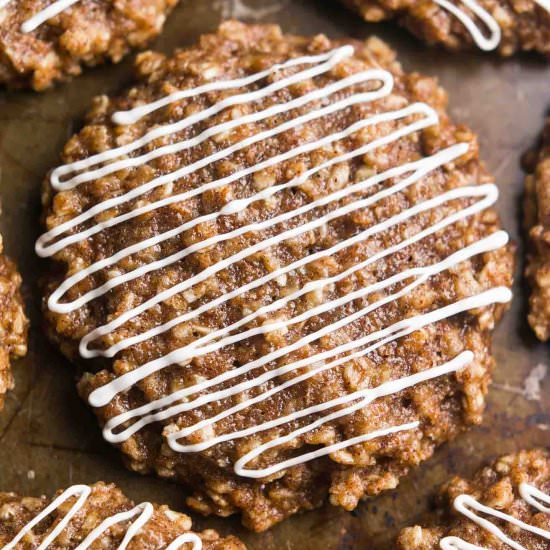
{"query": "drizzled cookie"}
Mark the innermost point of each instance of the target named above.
(505, 505)
(278, 260)
(507, 26)
(99, 516)
(42, 42)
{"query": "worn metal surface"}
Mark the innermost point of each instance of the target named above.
(48, 439)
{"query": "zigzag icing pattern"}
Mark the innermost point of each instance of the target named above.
(70, 176)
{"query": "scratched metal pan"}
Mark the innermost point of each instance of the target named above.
(49, 440)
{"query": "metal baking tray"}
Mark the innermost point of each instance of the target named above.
(48, 438)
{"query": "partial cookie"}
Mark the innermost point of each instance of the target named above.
(504, 504)
(282, 255)
(537, 221)
(45, 42)
(99, 516)
(13, 323)
(508, 26)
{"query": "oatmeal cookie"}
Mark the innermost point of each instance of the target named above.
(102, 517)
(276, 259)
(537, 222)
(42, 42)
(508, 26)
(515, 485)
(13, 323)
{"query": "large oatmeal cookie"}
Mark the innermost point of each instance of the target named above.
(279, 265)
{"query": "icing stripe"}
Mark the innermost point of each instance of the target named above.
(468, 506)
(42, 16)
(241, 470)
(544, 4)
(186, 538)
(533, 496)
(137, 113)
(456, 543)
(495, 37)
(404, 122)
(144, 513)
(484, 43)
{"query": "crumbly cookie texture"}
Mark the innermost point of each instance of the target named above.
(525, 25)
(13, 323)
(104, 501)
(495, 486)
(537, 222)
(85, 34)
(445, 406)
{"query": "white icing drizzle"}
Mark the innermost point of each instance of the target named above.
(468, 506)
(142, 514)
(405, 122)
(42, 16)
(484, 43)
(495, 33)
(535, 497)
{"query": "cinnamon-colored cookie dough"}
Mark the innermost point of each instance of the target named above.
(516, 485)
(37, 50)
(99, 516)
(13, 323)
(537, 221)
(507, 26)
(280, 267)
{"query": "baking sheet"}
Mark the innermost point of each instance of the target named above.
(48, 438)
